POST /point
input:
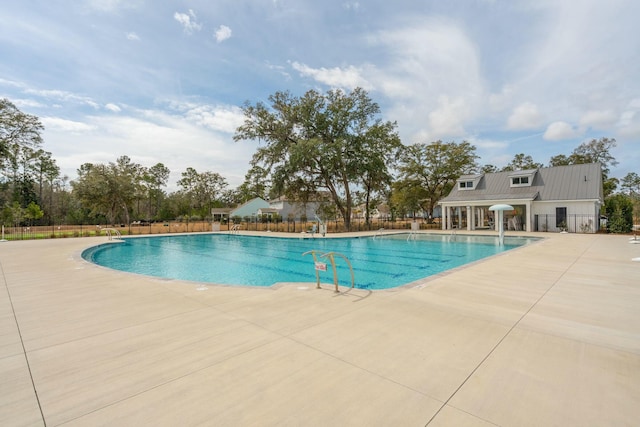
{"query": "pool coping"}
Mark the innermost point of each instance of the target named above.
(415, 283)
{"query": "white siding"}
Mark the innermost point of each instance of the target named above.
(582, 216)
(573, 207)
(296, 209)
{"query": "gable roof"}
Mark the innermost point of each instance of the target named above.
(572, 182)
(250, 207)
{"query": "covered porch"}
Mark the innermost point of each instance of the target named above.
(477, 216)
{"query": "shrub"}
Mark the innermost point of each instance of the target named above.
(619, 209)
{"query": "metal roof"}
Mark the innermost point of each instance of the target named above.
(572, 182)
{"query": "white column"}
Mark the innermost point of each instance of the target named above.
(474, 212)
(444, 217)
(469, 218)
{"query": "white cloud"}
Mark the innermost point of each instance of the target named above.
(629, 123)
(106, 5)
(279, 69)
(431, 68)
(635, 103)
(63, 96)
(27, 103)
(64, 125)
(560, 130)
(344, 78)
(627, 118)
(193, 135)
(568, 70)
(525, 116)
(499, 102)
(448, 119)
(488, 144)
(225, 119)
(188, 21)
(113, 107)
(598, 119)
(12, 83)
(494, 71)
(222, 33)
(351, 5)
(491, 151)
(433, 57)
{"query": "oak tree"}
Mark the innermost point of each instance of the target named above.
(434, 168)
(333, 143)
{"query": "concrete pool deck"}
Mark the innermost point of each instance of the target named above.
(548, 334)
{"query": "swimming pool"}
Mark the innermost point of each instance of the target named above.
(378, 262)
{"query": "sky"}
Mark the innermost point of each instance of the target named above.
(165, 82)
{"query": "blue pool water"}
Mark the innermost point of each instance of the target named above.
(378, 263)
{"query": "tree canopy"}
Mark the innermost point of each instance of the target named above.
(330, 147)
(630, 184)
(25, 168)
(521, 162)
(109, 189)
(17, 131)
(428, 172)
(202, 189)
(594, 151)
(331, 142)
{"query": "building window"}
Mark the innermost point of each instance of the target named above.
(520, 181)
(466, 185)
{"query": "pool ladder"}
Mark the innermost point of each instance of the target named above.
(413, 234)
(320, 266)
(112, 233)
(452, 236)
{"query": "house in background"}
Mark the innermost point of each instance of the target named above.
(256, 207)
(546, 199)
(292, 210)
(250, 208)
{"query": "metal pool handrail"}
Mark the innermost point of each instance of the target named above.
(330, 256)
(110, 230)
(316, 265)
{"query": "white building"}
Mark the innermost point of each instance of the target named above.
(546, 199)
(288, 209)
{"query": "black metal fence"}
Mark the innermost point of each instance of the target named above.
(138, 228)
(334, 226)
(572, 223)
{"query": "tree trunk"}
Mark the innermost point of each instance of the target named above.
(366, 209)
